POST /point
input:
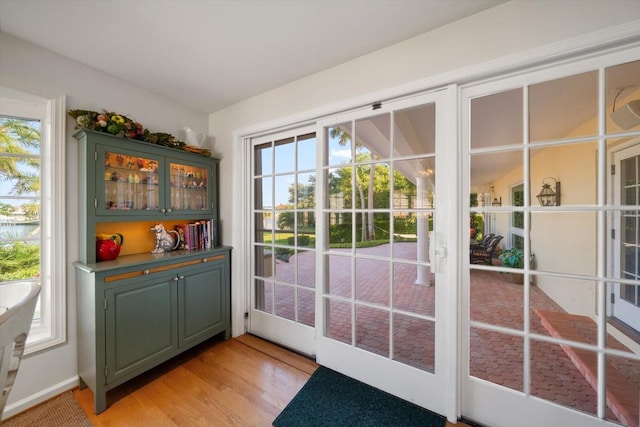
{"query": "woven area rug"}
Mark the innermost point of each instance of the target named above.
(62, 410)
(332, 399)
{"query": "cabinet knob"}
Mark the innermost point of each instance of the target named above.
(163, 210)
(204, 260)
(145, 272)
(168, 210)
(175, 279)
(180, 277)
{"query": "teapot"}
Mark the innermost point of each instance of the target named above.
(108, 246)
(194, 138)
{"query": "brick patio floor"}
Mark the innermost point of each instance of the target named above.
(555, 374)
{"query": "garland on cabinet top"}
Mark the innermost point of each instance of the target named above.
(124, 127)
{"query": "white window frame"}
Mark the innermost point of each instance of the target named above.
(50, 329)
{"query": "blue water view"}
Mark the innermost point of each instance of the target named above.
(19, 231)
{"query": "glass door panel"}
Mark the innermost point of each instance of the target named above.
(284, 239)
(188, 187)
(548, 306)
(131, 182)
(383, 284)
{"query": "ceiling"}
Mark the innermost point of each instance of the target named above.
(210, 54)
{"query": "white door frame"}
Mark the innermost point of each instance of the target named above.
(621, 309)
(289, 333)
(438, 391)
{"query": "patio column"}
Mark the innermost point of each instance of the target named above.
(423, 184)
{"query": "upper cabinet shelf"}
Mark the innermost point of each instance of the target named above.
(127, 178)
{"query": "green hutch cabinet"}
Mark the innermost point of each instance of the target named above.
(142, 309)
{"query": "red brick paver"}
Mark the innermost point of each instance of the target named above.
(494, 356)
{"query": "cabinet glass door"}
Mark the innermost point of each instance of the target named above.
(189, 187)
(131, 183)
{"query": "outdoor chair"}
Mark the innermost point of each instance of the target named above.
(483, 254)
(14, 327)
(483, 242)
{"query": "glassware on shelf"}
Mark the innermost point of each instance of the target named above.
(131, 182)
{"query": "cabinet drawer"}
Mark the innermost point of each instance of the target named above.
(168, 267)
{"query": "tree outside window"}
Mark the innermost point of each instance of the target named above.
(19, 199)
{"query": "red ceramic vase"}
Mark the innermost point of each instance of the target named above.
(107, 249)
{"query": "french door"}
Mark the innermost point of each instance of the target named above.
(361, 256)
(539, 346)
(625, 300)
(388, 225)
(284, 238)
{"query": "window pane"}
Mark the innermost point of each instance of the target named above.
(623, 97)
(409, 294)
(414, 342)
(372, 281)
(555, 237)
(19, 176)
(495, 173)
(339, 282)
(555, 376)
(339, 189)
(622, 378)
(284, 191)
(497, 119)
(285, 301)
(415, 131)
(578, 177)
(372, 138)
(486, 307)
(306, 191)
(19, 199)
(564, 108)
(338, 319)
(564, 308)
(496, 357)
(340, 229)
(339, 144)
(307, 152)
(284, 156)
(372, 330)
(262, 159)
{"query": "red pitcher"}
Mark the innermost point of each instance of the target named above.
(108, 246)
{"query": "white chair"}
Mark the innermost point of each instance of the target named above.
(14, 328)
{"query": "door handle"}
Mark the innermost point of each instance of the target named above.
(437, 252)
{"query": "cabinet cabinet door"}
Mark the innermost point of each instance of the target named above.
(127, 182)
(202, 299)
(132, 183)
(190, 189)
(141, 326)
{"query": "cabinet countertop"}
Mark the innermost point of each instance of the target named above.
(148, 259)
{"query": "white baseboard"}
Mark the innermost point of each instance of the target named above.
(39, 397)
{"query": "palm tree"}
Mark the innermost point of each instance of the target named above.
(20, 166)
(343, 138)
(20, 140)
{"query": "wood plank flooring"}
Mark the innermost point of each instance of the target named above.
(244, 381)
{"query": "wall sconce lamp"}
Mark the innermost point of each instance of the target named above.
(547, 196)
(496, 202)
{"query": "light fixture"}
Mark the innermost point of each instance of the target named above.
(496, 202)
(627, 116)
(547, 196)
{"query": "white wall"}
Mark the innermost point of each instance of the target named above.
(444, 55)
(34, 70)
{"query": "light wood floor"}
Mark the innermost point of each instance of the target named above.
(244, 381)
